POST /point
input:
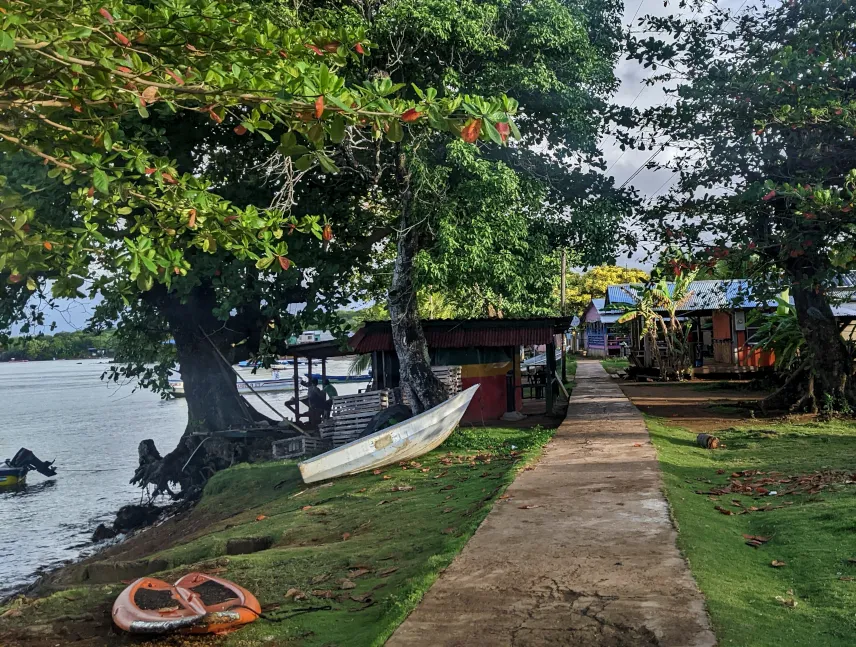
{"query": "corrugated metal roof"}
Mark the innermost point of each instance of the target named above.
(704, 295)
(466, 333)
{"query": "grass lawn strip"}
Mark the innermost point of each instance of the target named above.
(615, 364)
(810, 525)
(368, 545)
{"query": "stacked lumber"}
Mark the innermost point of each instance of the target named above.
(299, 446)
(289, 448)
(350, 415)
(450, 376)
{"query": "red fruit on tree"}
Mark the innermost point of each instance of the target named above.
(331, 47)
(168, 178)
(284, 263)
(314, 49)
(91, 192)
(47, 245)
(752, 245)
(769, 196)
(327, 233)
(240, 130)
(106, 14)
(319, 106)
(358, 48)
(191, 221)
(123, 40)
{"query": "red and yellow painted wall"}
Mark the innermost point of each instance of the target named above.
(488, 368)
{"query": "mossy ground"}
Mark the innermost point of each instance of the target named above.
(814, 534)
(367, 546)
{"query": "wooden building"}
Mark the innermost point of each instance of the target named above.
(723, 319)
(487, 350)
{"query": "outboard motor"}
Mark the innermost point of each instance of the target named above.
(29, 461)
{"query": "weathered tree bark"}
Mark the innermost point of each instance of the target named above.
(417, 381)
(826, 381)
(213, 401)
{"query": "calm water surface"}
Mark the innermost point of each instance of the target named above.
(62, 410)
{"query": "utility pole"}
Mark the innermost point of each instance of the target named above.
(562, 310)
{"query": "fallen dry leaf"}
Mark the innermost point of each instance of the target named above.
(788, 602)
(723, 510)
(386, 477)
(295, 594)
(777, 564)
(358, 572)
(383, 502)
(306, 507)
(361, 491)
(426, 469)
(387, 571)
(846, 578)
(376, 472)
(320, 578)
(323, 594)
(346, 536)
(11, 613)
(261, 517)
(528, 506)
(637, 444)
(448, 487)
(347, 585)
(402, 488)
(505, 496)
(448, 510)
(448, 531)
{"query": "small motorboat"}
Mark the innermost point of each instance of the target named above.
(401, 442)
(258, 386)
(342, 378)
(197, 603)
(14, 471)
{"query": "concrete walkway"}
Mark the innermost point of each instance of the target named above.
(594, 564)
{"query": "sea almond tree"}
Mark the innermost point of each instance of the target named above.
(84, 89)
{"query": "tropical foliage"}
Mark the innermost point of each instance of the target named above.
(664, 336)
(762, 126)
(62, 345)
(780, 333)
(582, 288)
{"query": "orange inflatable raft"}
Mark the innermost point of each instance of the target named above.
(197, 603)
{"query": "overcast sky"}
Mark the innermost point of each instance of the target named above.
(633, 91)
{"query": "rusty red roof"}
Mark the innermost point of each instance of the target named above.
(466, 333)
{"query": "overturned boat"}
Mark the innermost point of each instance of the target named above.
(197, 603)
(14, 471)
(403, 441)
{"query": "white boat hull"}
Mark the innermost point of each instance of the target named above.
(406, 440)
(259, 386)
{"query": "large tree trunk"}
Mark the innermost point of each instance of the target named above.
(210, 385)
(826, 381)
(417, 381)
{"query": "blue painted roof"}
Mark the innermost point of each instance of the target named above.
(600, 304)
(704, 295)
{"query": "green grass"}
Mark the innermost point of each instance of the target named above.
(324, 534)
(615, 364)
(815, 535)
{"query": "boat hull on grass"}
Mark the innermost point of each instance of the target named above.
(402, 442)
